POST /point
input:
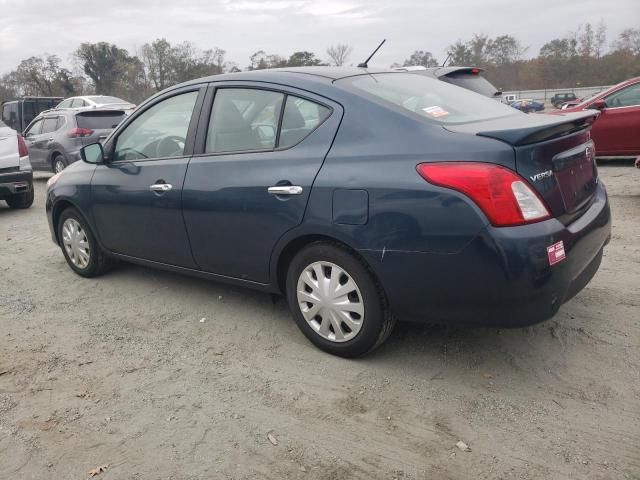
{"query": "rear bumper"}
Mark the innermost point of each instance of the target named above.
(502, 277)
(15, 183)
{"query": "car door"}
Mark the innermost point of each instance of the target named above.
(137, 193)
(258, 152)
(33, 138)
(617, 129)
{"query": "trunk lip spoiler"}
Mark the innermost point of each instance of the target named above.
(538, 127)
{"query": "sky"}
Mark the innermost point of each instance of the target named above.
(242, 27)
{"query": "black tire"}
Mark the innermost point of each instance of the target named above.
(378, 321)
(99, 262)
(21, 200)
(58, 159)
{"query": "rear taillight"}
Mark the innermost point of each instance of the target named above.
(22, 147)
(503, 196)
(79, 132)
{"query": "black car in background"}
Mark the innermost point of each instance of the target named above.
(55, 137)
(17, 114)
(559, 98)
(465, 77)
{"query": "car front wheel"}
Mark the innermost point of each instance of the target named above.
(59, 164)
(336, 301)
(79, 246)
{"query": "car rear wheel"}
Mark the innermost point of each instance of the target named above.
(21, 200)
(336, 301)
(79, 246)
(59, 164)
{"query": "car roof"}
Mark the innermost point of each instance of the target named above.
(270, 74)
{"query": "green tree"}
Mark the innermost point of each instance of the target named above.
(420, 58)
(105, 64)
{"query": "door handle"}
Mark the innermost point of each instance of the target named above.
(50, 139)
(285, 190)
(160, 187)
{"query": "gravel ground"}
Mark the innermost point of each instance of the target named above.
(160, 376)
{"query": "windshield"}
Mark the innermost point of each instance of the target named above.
(429, 98)
(472, 81)
(106, 100)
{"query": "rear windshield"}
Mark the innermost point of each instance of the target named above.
(106, 100)
(428, 98)
(99, 120)
(473, 82)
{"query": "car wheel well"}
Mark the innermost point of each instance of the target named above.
(58, 208)
(299, 243)
(53, 156)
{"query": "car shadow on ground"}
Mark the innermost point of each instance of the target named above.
(411, 344)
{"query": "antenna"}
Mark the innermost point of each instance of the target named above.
(365, 64)
(446, 60)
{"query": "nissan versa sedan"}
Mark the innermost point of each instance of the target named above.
(363, 195)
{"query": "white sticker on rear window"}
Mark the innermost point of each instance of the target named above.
(435, 111)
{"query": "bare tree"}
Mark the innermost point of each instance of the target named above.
(600, 39)
(339, 53)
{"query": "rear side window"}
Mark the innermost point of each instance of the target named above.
(300, 118)
(49, 125)
(29, 111)
(243, 119)
(99, 120)
(430, 99)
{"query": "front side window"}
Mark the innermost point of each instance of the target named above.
(49, 124)
(34, 129)
(429, 98)
(300, 118)
(243, 119)
(627, 97)
(65, 104)
(158, 132)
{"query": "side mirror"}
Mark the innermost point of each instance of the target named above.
(599, 104)
(93, 153)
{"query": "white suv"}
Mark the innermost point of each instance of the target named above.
(95, 101)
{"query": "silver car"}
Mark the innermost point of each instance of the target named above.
(16, 176)
(55, 137)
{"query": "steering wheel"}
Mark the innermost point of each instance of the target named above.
(170, 146)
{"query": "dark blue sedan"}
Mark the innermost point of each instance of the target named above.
(364, 196)
(528, 106)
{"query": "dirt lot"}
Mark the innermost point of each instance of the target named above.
(123, 371)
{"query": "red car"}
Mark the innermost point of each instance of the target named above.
(616, 132)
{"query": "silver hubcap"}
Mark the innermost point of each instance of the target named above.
(75, 243)
(59, 166)
(330, 301)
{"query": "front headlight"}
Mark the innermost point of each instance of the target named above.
(25, 164)
(52, 181)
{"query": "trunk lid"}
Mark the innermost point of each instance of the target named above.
(554, 154)
(9, 156)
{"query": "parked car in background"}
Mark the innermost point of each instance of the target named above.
(616, 132)
(96, 101)
(16, 176)
(17, 114)
(559, 98)
(363, 195)
(509, 98)
(55, 137)
(527, 105)
(465, 77)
